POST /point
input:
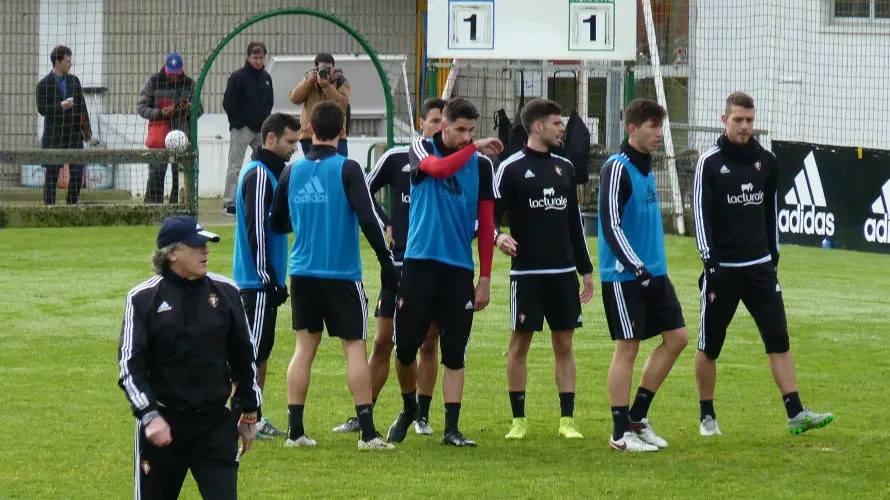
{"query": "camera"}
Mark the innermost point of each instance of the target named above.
(324, 72)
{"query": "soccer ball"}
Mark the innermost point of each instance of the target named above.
(176, 141)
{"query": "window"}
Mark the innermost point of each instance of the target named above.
(862, 9)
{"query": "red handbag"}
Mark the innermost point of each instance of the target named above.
(158, 130)
(157, 133)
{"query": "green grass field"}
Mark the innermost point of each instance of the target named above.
(68, 432)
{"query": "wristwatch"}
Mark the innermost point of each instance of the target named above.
(148, 417)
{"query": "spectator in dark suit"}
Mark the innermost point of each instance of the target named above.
(67, 124)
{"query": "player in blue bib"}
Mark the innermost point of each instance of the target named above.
(259, 263)
(451, 186)
(638, 297)
(324, 200)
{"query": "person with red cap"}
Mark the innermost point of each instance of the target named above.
(166, 102)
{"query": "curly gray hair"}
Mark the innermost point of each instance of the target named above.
(160, 260)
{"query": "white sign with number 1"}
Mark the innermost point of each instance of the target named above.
(471, 25)
(591, 27)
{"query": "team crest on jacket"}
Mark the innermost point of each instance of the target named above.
(557, 169)
(213, 300)
(146, 467)
(757, 166)
(400, 303)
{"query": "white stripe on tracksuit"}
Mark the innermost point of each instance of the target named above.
(137, 463)
(623, 245)
(697, 215)
(260, 217)
(137, 397)
(623, 314)
(259, 316)
(364, 303)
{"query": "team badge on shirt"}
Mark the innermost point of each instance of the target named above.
(213, 300)
(557, 169)
(146, 467)
(757, 166)
(400, 303)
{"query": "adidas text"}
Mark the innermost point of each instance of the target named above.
(803, 221)
(311, 198)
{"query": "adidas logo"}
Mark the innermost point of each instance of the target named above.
(724, 170)
(164, 307)
(312, 192)
(807, 192)
(406, 168)
(469, 306)
(876, 229)
(529, 174)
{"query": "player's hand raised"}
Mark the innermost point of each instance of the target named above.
(587, 293)
(491, 146)
(482, 294)
(506, 244)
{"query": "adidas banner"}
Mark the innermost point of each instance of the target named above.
(833, 196)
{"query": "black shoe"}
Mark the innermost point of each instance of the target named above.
(455, 438)
(399, 429)
(228, 210)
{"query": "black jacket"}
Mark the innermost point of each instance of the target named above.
(249, 98)
(734, 204)
(537, 192)
(183, 343)
(61, 128)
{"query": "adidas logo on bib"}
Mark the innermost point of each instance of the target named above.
(312, 192)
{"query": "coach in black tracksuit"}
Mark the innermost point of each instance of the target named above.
(184, 342)
(734, 209)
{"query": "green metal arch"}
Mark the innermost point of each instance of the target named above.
(384, 80)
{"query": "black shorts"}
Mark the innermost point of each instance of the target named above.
(534, 297)
(637, 312)
(758, 288)
(261, 319)
(386, 300)
(341, 306)
(432, 291)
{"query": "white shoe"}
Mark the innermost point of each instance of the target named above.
(630, 442)
(422, 426)
(709, 427)
(375, 444)
(643, 430)
(299, 442)
(351, 425)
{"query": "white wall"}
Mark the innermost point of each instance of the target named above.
(813, 79)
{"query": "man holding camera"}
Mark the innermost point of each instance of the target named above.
(322, 83)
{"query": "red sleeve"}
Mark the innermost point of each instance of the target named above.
(442, 168)
(486, 247)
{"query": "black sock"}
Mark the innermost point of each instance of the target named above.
(792, 404)
(707, 409)
(424, 402)
(295, 421)
(365, 414)
(620, 422)
(566, 404)
(517, 402)
(452, 415)
(409, 402)
(640, 408)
